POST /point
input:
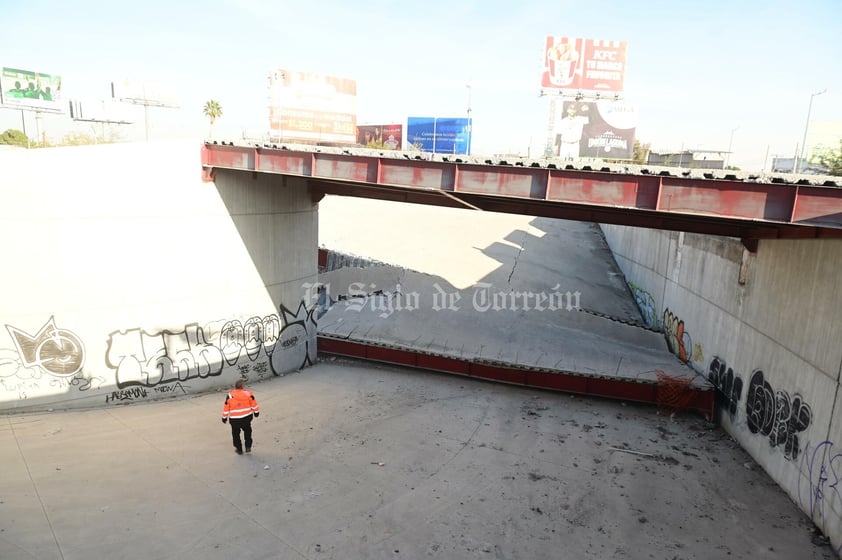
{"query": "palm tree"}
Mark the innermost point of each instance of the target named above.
(212, 110)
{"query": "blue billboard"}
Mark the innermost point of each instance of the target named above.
(440, 135)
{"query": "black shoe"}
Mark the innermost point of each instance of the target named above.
(238, 451)
(248, 449)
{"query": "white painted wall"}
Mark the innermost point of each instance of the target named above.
(125, 277)
(779, 335)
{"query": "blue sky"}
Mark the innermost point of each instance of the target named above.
(703, 74)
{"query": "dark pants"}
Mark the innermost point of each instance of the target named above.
(243, 424)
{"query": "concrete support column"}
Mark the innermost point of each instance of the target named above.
(277, 223)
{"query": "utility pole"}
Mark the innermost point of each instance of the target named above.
(800, 163)
(470, 124)
(730, 143)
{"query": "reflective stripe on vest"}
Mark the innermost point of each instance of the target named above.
(239, 403)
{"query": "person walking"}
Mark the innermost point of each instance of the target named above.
(240, 407)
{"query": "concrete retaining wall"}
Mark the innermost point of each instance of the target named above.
(766, 330)
(127, 278)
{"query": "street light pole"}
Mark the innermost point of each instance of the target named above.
(730, 143)
(800, 163)
(470, 124)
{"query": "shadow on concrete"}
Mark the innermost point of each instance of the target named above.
(554, 300)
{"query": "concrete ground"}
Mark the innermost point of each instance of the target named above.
(365, 461)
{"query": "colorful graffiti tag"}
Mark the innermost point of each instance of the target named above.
(646, 304)
(678, 339)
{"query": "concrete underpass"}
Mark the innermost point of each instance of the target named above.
(135, 294)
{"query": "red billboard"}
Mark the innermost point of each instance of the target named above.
(584, 64)
(380, 136)
(312, 107)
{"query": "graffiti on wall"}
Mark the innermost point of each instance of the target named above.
(56, 351)
(261, 344)
(53, 357)
(646, 303)
(287, 342)
(159, 362)
(818, 485)
(678, 339)
(729, 386)
(776, 414)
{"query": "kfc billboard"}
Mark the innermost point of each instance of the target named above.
(312, 107)
(380, 136)
(584, 65)
(602, 129)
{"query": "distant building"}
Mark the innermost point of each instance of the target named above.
(691, 159)
(786, 165)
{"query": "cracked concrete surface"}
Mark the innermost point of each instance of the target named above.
(359, 461)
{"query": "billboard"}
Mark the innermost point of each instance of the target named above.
(100, 110)
(144, 93)
(601, 129)
(30, 90)
(312, 107)
(440, 135)
(584, 65)
(382, 136)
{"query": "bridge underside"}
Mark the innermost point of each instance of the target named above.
(749, 208)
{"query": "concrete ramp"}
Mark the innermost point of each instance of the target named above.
(531, 301)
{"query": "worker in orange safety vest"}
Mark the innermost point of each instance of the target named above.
(240, 407)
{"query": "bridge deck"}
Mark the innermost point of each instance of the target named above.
(712, 202)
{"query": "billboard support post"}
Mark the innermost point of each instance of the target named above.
(23, 125)
(145, 94)
(37, 126)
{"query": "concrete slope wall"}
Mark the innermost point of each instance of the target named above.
(766, 330)
(126, 278)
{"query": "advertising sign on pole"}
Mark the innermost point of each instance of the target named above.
(144, 93)
(99, 110)
(312, 107)
(30, 90)
(583, 65)
(440, 135)
(381, 136)
(602, 129)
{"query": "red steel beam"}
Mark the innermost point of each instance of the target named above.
(745, 209)
(699, 399)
